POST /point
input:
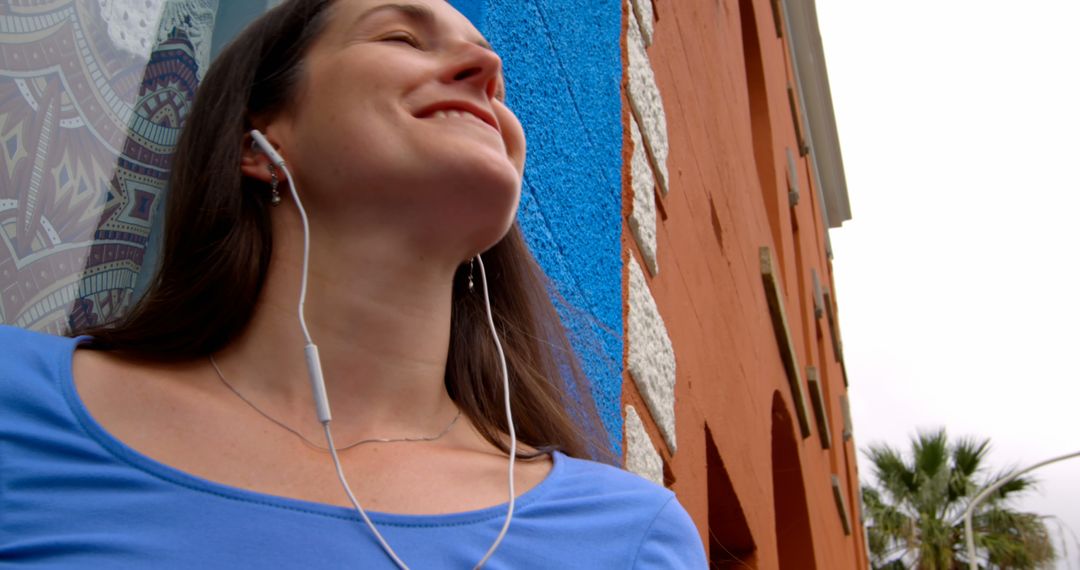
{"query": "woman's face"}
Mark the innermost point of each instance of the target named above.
(399, 124)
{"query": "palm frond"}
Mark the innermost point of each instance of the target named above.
(893, 474)
(968, 454)
(888, 528)
(1014, 540)
(967, 458)
(931, 451)
(913, 508)
(1010, 489)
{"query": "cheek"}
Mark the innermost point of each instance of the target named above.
(513, 136)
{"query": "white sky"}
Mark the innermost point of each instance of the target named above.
(958, 278)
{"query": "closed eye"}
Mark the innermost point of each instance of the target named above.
(403, 37)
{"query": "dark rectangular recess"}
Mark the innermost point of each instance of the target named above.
(775, 297)
(777, 17)
(834, 330)
(845, 412)
(819, 299)
(818, 401)
(841, 504)
(792, 179)
(800, 138)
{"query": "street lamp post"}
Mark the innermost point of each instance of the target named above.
(968, 531)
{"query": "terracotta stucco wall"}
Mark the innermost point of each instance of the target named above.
(729, 125)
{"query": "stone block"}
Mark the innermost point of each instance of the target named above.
(643, 11)
(643, 214)
(651, 358)
(646, 103)
(641, 457)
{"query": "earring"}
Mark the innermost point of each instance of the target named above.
(471, 274)
(275, 196)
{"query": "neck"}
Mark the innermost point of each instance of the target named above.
(381, 321)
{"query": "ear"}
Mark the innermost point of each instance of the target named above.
(254, 163)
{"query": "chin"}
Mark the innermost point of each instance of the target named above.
(475, 215)
(492, 181)
(486, 225)
(494, 233)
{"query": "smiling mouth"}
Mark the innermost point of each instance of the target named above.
(463, 114)
(452, 114)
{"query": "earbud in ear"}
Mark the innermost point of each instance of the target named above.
(266, 147)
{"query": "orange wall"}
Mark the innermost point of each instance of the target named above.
(729, 197)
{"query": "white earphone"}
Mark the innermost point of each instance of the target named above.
(318, 386)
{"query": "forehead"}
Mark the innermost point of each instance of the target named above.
(436, 14)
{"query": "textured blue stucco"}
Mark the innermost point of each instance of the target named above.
(563, 70)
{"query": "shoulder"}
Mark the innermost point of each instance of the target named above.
(672, 541)
(648, 518)
(17, 338)
(31, 353)
(607, 481)
(33, 370)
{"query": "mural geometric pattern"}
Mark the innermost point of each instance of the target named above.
(88, 124)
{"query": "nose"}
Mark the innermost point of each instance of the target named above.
(476, 65)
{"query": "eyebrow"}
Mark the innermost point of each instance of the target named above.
(416, 13)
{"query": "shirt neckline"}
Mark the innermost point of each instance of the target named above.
(181, 478)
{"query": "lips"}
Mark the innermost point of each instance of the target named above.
(459, 109)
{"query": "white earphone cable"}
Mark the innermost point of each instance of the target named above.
(509, 418)
(356, 504)
(311, 354)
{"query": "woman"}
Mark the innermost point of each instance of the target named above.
(184, 436)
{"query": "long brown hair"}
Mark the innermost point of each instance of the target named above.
(216, 252)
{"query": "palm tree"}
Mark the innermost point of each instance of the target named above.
(913, 510)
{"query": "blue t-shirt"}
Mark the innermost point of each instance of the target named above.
(73, 496)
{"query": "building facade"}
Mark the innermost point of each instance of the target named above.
(735, 388)
(683, 172)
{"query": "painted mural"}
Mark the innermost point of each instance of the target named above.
(92, 96)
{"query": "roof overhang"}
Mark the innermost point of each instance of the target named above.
(812, 80)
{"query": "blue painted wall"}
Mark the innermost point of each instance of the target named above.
(563, 67)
